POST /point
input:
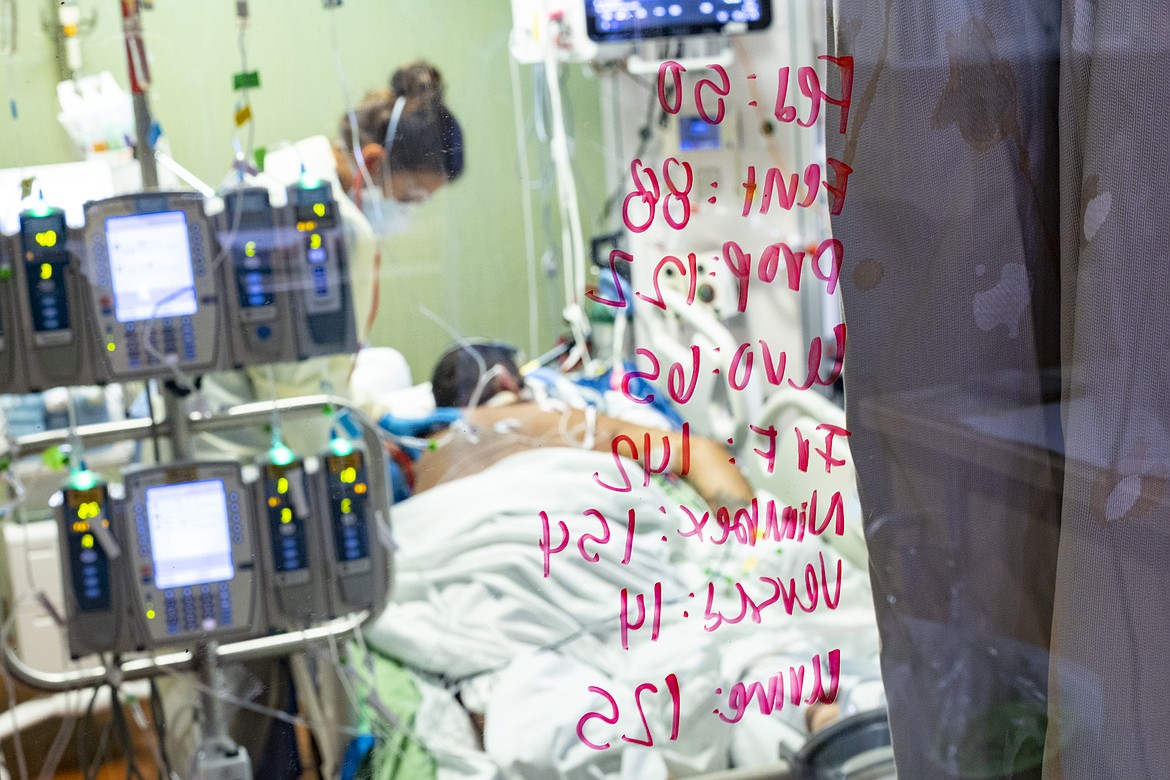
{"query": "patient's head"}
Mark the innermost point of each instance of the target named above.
(459, 369)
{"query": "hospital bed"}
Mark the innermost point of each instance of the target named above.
(477, 626)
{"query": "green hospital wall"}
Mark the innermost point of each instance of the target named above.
(464, 258)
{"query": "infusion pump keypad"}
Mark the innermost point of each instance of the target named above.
(189, 612)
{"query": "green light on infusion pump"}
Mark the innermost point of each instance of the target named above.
(41, 209)
(281, 455)
(82, 480)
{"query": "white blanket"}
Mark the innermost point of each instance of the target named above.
(472, 604)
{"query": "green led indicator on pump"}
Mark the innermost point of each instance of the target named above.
(82, 480)
(341, 447)
(281, 455)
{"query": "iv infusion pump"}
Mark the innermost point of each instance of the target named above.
(171, 562)
(151, 285)
(211, 549)
(191, 552)
(320, 551)
(90, 532)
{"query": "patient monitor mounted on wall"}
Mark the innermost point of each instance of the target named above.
(610, 21)
(571, 30)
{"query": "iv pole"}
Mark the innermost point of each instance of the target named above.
(139, 86)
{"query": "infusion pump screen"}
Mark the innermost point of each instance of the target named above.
(190, 540)
(150, 266)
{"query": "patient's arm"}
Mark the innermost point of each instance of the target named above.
(506, 430)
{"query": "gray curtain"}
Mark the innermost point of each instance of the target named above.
(1006, 231)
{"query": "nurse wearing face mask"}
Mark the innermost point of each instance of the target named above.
(392, 152)
(406, 145)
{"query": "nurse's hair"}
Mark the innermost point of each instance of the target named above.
(428, 138)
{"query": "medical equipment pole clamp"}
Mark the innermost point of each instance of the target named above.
(219, 757)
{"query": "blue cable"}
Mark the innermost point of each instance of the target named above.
(359, 747)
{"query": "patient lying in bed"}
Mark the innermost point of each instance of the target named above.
(504, 423)
(492, 614)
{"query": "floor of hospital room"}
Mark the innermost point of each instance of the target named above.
(36, 742)
(116, 770)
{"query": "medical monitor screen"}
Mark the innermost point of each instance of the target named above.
(189, 534)
(623, 20)
(150, 266)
